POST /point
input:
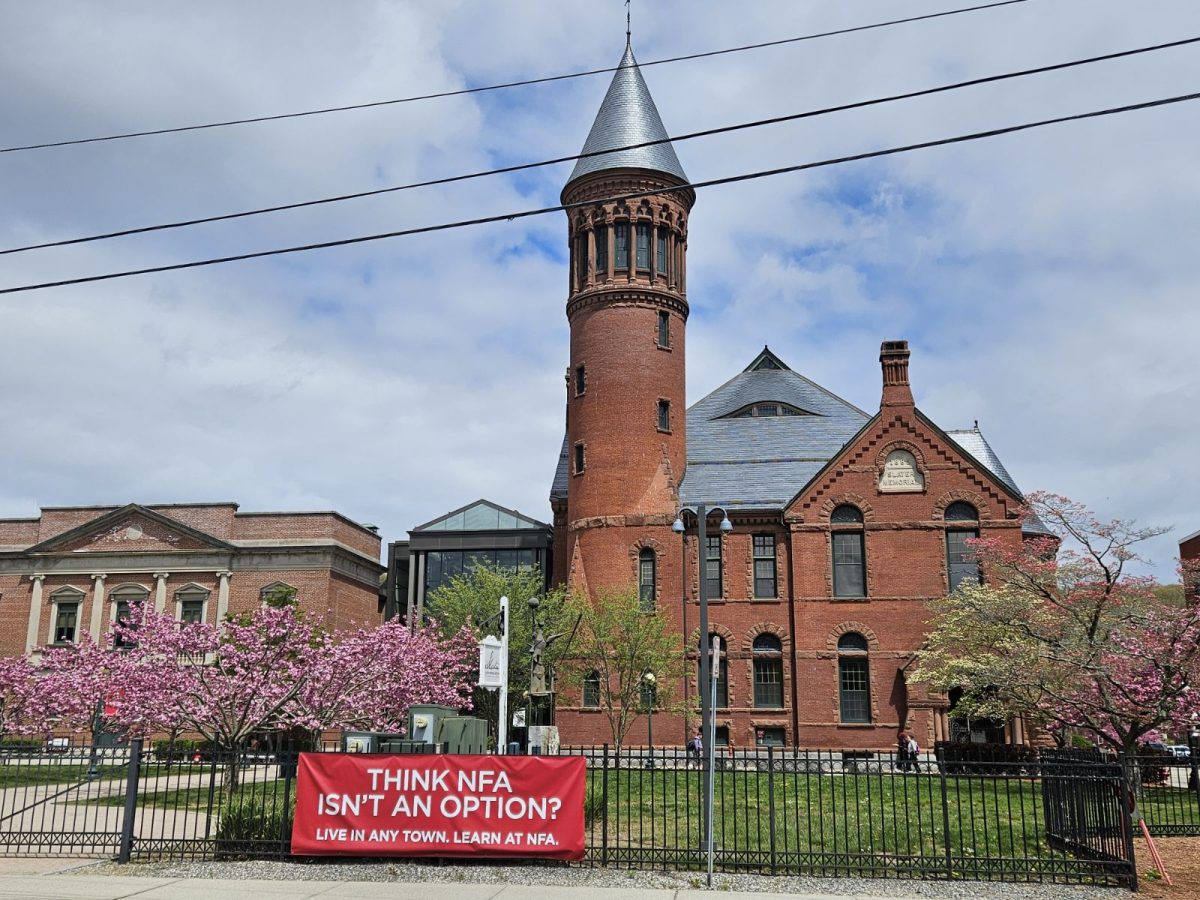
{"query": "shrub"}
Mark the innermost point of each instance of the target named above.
(593, 808)
(986, 759)
(18, 746)
(247, 823)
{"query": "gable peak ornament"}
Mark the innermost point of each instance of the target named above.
(901, 474)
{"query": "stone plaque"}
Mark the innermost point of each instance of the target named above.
(900, 474)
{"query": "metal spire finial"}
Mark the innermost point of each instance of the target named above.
(628, 36)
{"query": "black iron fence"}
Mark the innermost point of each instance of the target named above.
(1042, 817)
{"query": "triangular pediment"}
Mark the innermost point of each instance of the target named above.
(130, 529)
(916, 434)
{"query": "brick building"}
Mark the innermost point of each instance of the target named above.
(1189, 552)
(70, 571)
(846, 523)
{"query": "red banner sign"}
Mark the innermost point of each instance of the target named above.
(354, 804)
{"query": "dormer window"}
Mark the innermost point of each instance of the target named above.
(767, 409)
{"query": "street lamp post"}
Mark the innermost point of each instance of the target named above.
(1194, 756)
(650, 695)
(706, 711)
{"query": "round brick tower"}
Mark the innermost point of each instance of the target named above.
(627, 307)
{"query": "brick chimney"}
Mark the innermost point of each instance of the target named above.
(893, 356)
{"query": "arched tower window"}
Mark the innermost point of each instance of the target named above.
(849, 552)
(962, 527)
(854, 681)
(768, 672)
(647, 579)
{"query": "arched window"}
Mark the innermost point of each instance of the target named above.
(591, 690)
(722, 670)
(849, 552)
(124, 598)
(647, 579)
(768, 672)
(961, 564)
(854, 682)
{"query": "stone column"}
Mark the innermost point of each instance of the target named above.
(97, 606)
(35, 613)
(223, 595)
(160, 592)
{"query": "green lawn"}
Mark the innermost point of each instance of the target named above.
(25, 775)
(877, 815)
(268, 794)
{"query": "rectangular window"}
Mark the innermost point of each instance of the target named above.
(764, 566)
(664, 329)
(643, 245)
(580, 380)
(591, 692)
(770, 737)
(712, 566)
(581, 258)
(601, 252)
(578, 459)
(122, 616)
(768, 683)
(721, 736)
(621, 241)
(849, 572)
(664, 415)
(960, 558)
(66, 620)
(191, 612)
(854, 690)
(661, 251)
(647, 577)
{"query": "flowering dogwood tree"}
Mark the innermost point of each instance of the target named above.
(1061, 632)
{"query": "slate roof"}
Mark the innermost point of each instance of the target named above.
(763, 462)
(628, 116)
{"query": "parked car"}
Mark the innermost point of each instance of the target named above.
(1180, 751)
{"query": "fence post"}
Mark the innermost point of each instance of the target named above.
(771, 803)
(940, 752)
(133, 776)
(292, 757)
(1128, 799)
(604, 810)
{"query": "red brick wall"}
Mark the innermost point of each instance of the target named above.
(1189, 552)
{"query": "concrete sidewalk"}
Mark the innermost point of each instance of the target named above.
(118, 887)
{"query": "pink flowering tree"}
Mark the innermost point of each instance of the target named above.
(272, 670)
(1061, 632)
(25, 704)
(369, 678)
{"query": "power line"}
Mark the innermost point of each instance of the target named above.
(549, 162)
(527, 213)
(509, 84)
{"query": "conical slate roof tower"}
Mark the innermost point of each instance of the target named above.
(628, 116)
(617, 487)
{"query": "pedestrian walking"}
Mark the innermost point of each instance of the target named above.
(694, 746)
(902, 751)
(914, 751)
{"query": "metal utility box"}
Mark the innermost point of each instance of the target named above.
(463, 734)
(367, 741)
(424, 720)
(409, 747)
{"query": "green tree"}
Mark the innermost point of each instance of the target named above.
(621, 643)
(474, 597)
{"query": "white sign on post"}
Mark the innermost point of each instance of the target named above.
(491, 670)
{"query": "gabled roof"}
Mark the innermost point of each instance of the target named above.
(628, 116)
(119, 515)
(761, 463)
(482, 515)
(972, 441)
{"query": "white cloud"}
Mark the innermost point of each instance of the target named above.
(1046, 280)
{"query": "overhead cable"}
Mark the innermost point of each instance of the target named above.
(527, 213)
(709, 132)
(510, 84)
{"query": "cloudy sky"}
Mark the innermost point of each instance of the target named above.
(1047, 281)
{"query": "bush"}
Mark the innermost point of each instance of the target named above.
(986, 759)
(20, 746)
(183, 751)
(593, 808)
(249, 823)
